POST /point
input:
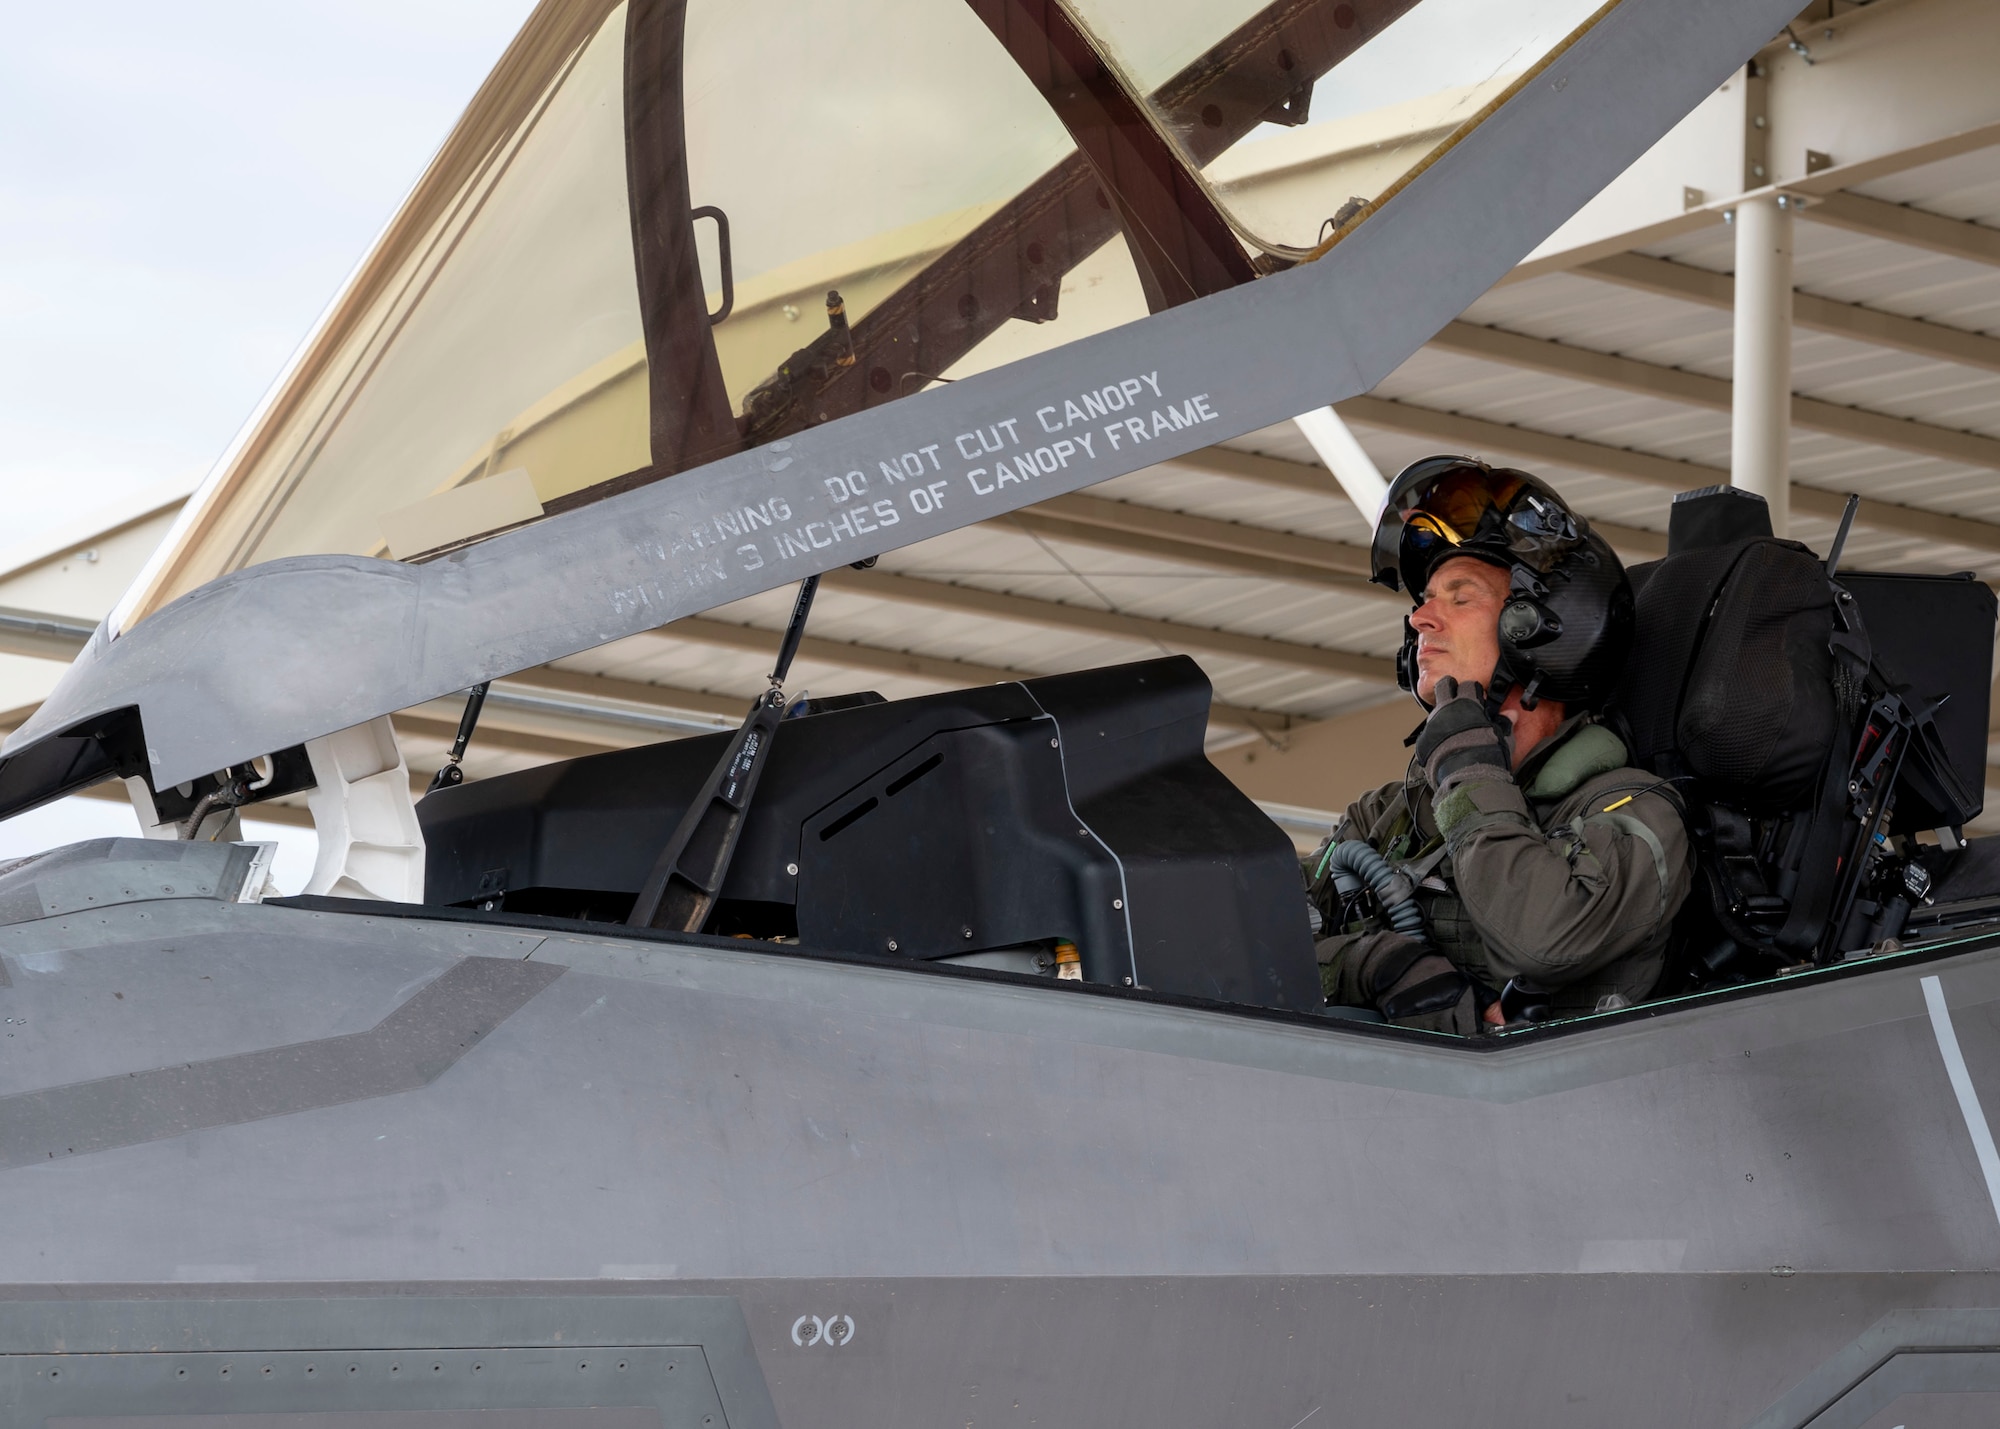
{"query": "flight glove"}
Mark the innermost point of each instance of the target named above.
(1461, 740)
(1399, 977)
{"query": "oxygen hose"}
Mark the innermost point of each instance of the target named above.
(1352, 863)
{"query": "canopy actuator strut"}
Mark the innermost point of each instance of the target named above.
(687, 878)
(450, 774)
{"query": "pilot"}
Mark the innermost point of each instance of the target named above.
(1547, 870)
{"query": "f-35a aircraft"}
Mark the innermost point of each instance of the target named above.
(954, 1059)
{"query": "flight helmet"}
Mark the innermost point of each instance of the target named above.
(1567, 623)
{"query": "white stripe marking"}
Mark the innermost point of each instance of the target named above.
(1961, 1083)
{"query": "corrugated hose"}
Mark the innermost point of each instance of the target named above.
(1353, 863)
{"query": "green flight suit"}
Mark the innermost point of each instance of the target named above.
(1568, 876)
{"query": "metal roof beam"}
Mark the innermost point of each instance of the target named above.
(1477, 434)
(1675, 384)
(1849, 320)
(1911, 227)
(1106, 537)
(514, 741)
(1897, 87)
(42, 636)
(845, 654)
(1268, 470)
(1141, 630)
(548, 679)
(1630, 541)
(1200, 540)
(1338, 557)
(952, 674)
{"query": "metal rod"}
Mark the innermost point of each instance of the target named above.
(794, 632)
(449, 774)
(1840, 536)
(687, 877)
(468, 721)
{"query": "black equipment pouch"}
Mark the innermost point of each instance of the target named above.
(1732, 671)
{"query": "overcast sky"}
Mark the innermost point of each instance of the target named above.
(182, 189)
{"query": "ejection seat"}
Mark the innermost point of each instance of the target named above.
(1825, 732)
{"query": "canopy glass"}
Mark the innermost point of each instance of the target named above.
(1293, 111)
(672, 229)
(850, 146)
(509, 345)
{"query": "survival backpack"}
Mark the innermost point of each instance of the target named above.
(1812, 723)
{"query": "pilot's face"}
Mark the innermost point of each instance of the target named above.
(1458, 625)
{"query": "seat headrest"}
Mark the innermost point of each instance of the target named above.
(1716, 516)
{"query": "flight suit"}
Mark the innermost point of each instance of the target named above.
(1568, 875)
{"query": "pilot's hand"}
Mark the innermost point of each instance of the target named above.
(1405, 978)
(1460, 736)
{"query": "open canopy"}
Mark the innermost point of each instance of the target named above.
(623, 268)
(607, 275)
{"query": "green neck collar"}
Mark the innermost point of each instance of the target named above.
(1585, 754)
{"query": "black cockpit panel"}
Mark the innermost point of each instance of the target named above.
(1075, 808)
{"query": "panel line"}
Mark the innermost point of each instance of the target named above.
(1961, 1084)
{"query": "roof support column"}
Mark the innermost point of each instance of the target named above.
(1761, 415)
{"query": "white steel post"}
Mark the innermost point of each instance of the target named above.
(1352, 467)
(1761, 415)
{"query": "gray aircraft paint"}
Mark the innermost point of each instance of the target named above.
(1251, 356)
(410, 1048)
(1976, 1124)
(1033, 1204)
(1011, 1186)
(1906, 1352)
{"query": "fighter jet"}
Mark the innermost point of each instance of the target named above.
(958, 1058)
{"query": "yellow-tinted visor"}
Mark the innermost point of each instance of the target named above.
(1447, 504)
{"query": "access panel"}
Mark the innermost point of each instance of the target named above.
(601, 1387)
(532, 1360)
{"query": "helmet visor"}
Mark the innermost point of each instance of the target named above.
(1448, 506)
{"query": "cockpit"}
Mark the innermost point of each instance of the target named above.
(1072, 825)
(675, 244)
